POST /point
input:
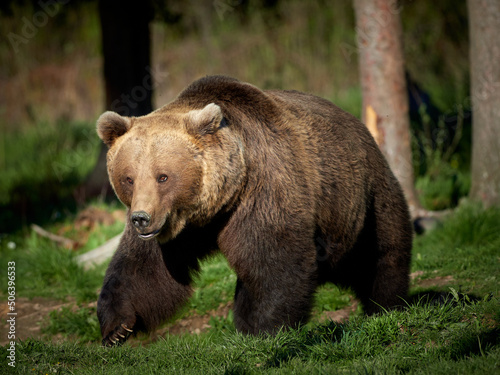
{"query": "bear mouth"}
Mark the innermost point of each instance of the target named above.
(148, 236)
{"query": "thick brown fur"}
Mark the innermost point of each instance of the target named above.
(291, 189)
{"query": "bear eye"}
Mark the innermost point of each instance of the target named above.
(130, 181)
(163, 178)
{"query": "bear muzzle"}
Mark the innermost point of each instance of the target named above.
(141, 220)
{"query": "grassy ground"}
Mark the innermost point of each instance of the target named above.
(451, 338)
(450, 326)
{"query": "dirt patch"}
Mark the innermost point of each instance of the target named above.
(431, 282)
(342, 315)
(416, 275)
(30, 315)
(435, 281)
(194, 324)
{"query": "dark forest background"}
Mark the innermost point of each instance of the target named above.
(53, 87)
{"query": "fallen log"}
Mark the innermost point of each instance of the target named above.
(100, 254)
(60, 240)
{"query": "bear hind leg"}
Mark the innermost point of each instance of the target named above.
(387, 287)
(385, 280)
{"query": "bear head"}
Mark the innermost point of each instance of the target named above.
(172, 167)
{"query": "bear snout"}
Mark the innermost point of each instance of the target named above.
(140, 220)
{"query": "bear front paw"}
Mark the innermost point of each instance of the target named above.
(117, 336)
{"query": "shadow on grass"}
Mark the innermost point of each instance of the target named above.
(42, 166)
(40, 204)
(434, 298)
(473, 345)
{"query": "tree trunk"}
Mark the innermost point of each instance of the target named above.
(385, 96)
(484, 26)
(127, 73)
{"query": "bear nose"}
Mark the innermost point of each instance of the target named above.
(140, 219)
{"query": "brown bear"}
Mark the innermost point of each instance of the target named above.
(290, 188)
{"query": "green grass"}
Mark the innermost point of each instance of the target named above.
(450, 338)
(467, 247)
(443, 189)
(442, 183)
(80, 324)
(330, 298)
(42, 164)
(47, 270)
(441, 178)
(215, 285)
(46, 154)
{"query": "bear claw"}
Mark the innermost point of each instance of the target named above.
(118, 336)
(126, 328)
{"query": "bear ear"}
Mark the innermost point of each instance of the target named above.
(206, 120)
(111, 125)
